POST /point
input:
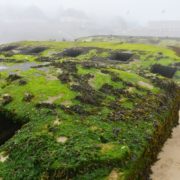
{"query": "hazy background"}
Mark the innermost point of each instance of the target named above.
(70, 19)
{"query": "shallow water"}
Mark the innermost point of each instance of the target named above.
(21, 66)
(3, 68)
(168, 165)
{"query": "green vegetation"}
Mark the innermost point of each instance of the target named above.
(85, 115)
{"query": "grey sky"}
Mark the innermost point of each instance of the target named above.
(132, 10)
(71, 19)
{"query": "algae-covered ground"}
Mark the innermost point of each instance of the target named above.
(85, 110)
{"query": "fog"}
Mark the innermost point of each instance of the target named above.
(70, 19)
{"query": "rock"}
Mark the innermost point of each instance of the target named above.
(13, 77)
(28, 97)
(78, 109)
(57, 122)
(48, 105)
(104, 71)
(116, 132)
(115, 78)
(113, 175)
(87, 65)
(106, 88)
(62, 139)
(22, 82)
(3, 157)
(64, 78)
(93, 98)
(74, 109)
(6, 99)
(66, 66)
(45, 59)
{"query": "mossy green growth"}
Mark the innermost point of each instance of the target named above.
(82, 117)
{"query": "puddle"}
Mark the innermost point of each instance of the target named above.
(21, 66)
(168, 165)
(3, 68)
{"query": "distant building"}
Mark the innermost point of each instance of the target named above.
(164, 28)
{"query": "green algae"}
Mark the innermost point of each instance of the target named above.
(103, 130)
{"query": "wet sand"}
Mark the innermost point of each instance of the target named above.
(168, 165)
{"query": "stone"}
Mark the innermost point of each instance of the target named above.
(13, 77)
(6, 99)
(3, 157)
(28, 97)
(62, 139)
(22, 82)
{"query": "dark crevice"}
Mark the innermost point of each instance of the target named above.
(7, 128)
(121, 56)
(165, 71)
(74, 52)
(7, 48)
(32, 50)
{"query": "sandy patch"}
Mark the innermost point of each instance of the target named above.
(62, 139)
(3, 157)
(51, 77)
(57, 122)
(67, 103)
(113, 175)
(131, 89)
(52, 99)
(145, 85)
(168, 166)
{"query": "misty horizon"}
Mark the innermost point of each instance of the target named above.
(67, 19)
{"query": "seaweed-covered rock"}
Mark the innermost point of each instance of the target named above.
(116, 132)
(22, 82)
(88, 128)
(28, 97)
(6, 99)
(13, 77)
(87, 65)
(74, 109)
(64, 78)
(104, 71)
(115, 78)
(45, 59)
(110, 90)
(167, 84)
(66, 66)
(45, 104)
(90, 98)
(106, 88)
(119, 115)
